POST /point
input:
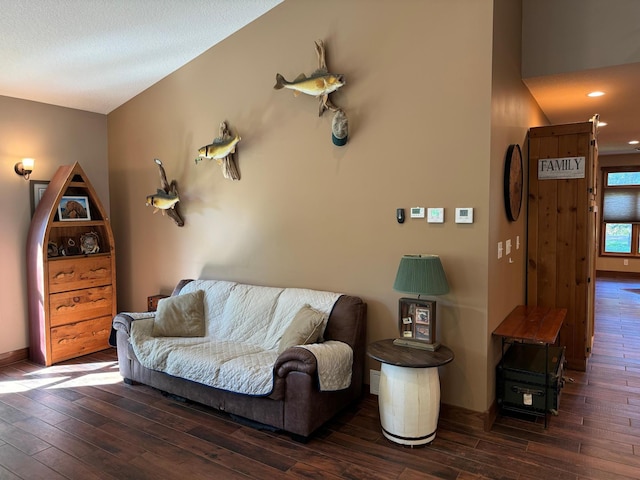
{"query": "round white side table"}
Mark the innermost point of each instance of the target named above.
(409, 395)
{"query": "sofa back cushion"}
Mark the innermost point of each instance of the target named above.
(216, 293)
(247, 314)
(290, 302)
(255, 314)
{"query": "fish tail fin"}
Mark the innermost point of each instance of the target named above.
(280, 82)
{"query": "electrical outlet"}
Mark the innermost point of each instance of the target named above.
(499, 250)
(625, 262)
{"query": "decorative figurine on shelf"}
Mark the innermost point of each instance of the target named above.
(52, 249)
(223, 149)
(89, 243)
(166, 199)
(69, 246)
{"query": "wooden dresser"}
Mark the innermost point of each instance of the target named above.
(70, 271)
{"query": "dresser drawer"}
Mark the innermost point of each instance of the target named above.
(80, 338)
(69, 307)
(79, 272)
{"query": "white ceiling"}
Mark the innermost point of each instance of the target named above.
(95, 55)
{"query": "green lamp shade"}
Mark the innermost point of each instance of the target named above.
(421, 275)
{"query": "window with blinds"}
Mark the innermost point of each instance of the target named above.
(621, 212)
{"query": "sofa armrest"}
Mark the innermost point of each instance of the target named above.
(122, 321)
(295, 359)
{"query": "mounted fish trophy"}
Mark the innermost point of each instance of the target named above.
(321, 84)
(223, 149)
(166, 198)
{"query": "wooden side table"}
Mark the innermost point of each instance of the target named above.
(409, 396)
(536, 325)
(152, 302)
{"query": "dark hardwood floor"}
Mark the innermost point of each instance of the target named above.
(77, 420)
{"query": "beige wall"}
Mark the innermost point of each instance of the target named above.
(306, 213)
(54, 136)
(616, 264)
(513, 111)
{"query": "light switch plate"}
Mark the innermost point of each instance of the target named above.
(435, 215)
(464, 215)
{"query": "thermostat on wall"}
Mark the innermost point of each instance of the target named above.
(464, 215)
(417, 212)
(435, 215)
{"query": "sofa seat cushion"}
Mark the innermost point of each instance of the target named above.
(155, 350)
(236, 367)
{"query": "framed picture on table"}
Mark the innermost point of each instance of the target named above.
(417, 319)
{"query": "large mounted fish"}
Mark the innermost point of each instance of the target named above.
(222, 149)
(317, 84)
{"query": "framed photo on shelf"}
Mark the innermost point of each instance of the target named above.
(417, 319)
(74, 208)
(38, 188)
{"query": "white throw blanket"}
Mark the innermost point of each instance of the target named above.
(334, 364)
(244, 325)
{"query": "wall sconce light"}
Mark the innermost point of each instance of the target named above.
(25, 167)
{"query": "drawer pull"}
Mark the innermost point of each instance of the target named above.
(94, 273)
(62, 275)
(64, 307)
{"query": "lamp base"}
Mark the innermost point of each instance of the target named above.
(419, 344)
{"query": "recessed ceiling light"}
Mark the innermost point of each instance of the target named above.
(634, 142)
(595, 94)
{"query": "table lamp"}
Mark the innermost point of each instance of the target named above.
(419, 275)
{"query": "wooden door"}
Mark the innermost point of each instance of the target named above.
(561, 230)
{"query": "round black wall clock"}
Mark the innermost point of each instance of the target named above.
(513, 182)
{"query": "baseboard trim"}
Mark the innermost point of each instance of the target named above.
(12, 357)
(480, 420)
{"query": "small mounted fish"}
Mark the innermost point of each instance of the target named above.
(223, 149)
(340, 129)
(162, 201)
(219, 148)
(167, 198)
